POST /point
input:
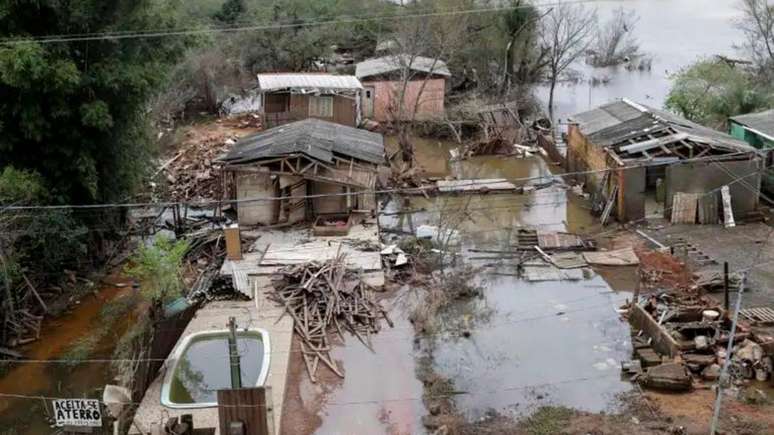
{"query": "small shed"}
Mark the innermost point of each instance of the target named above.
(383, 79)
(757, 129)
(295, 161)
(288, 97)
(633, 156)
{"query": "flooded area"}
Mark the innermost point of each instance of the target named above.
(674, 33)
(68, 379)
(530, 344)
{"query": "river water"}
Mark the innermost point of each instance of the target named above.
(675, 33)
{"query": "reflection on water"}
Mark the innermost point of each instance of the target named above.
(204, 368)
(530, 343)
(674, 32)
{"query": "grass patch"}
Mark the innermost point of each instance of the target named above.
(548, 420)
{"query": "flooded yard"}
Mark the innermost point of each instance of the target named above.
(529, 343)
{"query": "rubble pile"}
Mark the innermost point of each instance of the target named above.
(326, 298)
(682, 339)
(192, 173)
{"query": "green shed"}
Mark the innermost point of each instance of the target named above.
(757, 129)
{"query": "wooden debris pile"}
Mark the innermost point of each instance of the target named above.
(192, 173)
(326, 298)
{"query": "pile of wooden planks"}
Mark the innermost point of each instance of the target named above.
(326, 298)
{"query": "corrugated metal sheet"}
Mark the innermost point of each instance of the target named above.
(307, 82)
(559, 241)
(388, 64)
(617, 122)
(762, 122)
(316, 138)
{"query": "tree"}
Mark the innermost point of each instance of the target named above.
(567, 33)
(616, 42)
(231, 11)
(76, 112)
(757, 24)
(710, 91)
(520, 24)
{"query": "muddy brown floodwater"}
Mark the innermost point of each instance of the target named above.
(27, 416)
(531, 344)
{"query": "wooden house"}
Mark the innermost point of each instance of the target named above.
(304, 158)
(288, 97)
(383, 82)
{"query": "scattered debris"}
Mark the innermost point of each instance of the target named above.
(325, 298)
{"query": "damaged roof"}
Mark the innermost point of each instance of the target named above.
(315, 138)
(388, 64)
(307, 82)
(761, 122)
(629, 126)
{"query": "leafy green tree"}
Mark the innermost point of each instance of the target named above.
(158, 267)
(231, 11)
(75, 111)
(710, 91)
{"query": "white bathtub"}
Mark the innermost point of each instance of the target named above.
(200, 366)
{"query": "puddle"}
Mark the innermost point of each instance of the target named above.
(26, 416)
(380, 392)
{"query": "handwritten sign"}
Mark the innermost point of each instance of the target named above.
(77, 412)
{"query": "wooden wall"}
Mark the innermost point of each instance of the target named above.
(344, 108)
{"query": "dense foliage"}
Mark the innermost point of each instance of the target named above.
(75, 111)
(158, 267)
(710, 91)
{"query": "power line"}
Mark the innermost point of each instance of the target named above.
(415, 190)
(128, 34)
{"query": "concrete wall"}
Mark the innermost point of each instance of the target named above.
(703, 176)
(256, 185)
(583, 155)
(387, 99)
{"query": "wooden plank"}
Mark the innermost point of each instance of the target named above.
(684, 208)
(247, 405)
(728, 212)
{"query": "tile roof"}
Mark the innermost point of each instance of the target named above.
(317, 139)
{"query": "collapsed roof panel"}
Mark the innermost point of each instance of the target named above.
(315, 138)
(631, 130)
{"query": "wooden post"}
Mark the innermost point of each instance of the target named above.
(233, 243)
(250, 408)
(725, 286)
(233, 355)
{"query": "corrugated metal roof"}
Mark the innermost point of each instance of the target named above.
(618, 121)
(317, 139)
(273, 82)
(762, 122)
(388, 64)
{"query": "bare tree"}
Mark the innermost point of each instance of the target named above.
(616, 42)
(567, 33)
(757, 24)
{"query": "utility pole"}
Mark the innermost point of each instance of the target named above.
(233, 355)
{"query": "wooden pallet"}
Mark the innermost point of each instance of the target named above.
(759, 314)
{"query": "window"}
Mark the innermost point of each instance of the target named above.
(321, 107)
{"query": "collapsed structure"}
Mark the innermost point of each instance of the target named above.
(655, 157)
(292, 97)
(291, 162)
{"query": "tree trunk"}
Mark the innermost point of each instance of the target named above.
(551, 98)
